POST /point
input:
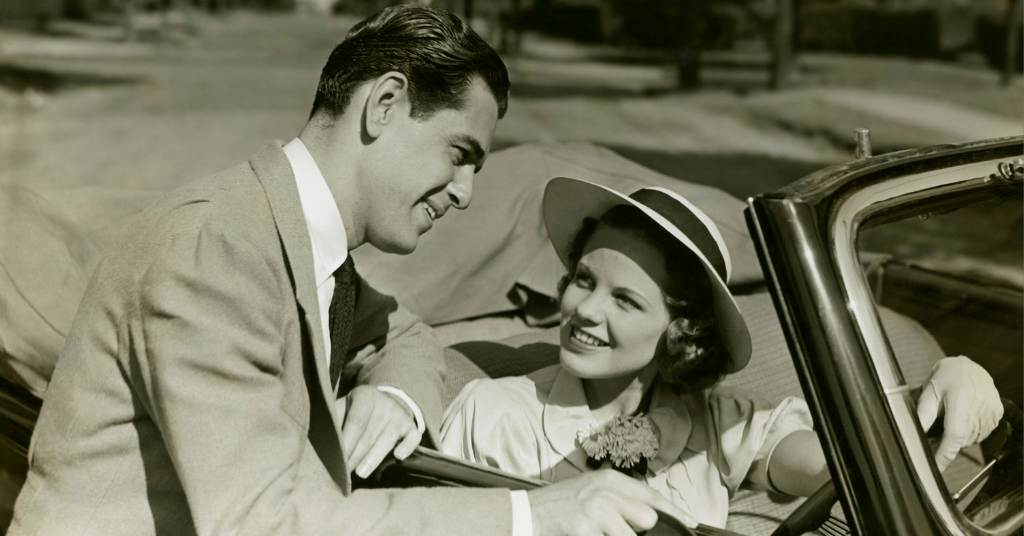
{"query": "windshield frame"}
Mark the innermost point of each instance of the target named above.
(856, 393)
(906, 196)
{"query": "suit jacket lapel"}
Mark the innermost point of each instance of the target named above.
(275, 174)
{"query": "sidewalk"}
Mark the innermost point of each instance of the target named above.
(565, 90)
(24, 45)
(699, 123)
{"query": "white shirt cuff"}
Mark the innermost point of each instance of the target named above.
(416, 414)
(522, 517)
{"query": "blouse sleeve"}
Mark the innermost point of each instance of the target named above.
(749, 430)
(487, 424)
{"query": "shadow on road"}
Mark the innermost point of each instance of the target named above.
(20, 78)
(741, 175)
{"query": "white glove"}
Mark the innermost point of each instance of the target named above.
(965, 393)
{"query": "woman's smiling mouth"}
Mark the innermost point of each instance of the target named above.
(580, 336)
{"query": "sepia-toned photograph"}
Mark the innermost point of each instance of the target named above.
(700, 267)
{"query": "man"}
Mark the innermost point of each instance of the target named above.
(198, 390)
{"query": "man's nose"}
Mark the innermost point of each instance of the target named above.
(460, 189)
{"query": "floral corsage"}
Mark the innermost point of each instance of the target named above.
(629, 442)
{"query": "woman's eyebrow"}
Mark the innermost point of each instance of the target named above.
(635, 295)
(582, 267)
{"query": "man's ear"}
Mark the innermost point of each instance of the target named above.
(388, 100)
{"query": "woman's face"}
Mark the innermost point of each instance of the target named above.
(613, 310)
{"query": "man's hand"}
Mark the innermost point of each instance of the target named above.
(374, 423)
(603, 502)
(964, 391)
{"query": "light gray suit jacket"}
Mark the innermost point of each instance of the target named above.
(192, 395)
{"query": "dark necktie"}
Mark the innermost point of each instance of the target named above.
(340, 317)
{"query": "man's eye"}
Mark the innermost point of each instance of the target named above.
(461, 157)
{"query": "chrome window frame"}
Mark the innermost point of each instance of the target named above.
(847, 219)
(879, 488)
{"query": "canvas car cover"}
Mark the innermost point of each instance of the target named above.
(495, 256)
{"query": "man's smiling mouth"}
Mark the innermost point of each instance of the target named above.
(432, 213)
(586, 338)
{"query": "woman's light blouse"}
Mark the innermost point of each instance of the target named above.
(709, 443)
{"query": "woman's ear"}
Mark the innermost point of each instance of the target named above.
(388, 100)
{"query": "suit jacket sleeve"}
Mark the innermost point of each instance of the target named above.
(395, 348)
(207, 331)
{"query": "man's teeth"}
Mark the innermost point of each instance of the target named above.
(430, 212)
(586, 338)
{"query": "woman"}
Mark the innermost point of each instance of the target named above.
(648, 326)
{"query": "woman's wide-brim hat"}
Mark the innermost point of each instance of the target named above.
(569, 202)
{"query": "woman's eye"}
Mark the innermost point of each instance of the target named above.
(626, 303)
(581, 280)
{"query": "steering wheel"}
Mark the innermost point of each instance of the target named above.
(426, 467)
(1002, 448)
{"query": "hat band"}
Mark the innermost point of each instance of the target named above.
(687, 222)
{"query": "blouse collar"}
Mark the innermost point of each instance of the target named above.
(566, 411)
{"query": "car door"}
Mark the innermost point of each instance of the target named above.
(933, 234)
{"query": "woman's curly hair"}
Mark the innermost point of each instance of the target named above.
(695, 357)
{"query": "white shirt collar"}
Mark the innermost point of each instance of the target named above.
(323, 219)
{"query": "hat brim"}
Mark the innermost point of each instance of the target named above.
(568, 202)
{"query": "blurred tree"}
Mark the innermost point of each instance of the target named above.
(36, 13)
(783, 44)
(128, 19)
(999, 39)
(1012, 61)
(82, 9)
(510, 28)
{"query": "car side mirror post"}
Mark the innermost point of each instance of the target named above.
(862, 137)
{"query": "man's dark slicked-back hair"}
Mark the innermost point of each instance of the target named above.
(438, 53)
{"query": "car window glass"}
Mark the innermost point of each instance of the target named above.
(954, 277)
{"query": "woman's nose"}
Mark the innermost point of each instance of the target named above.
(591, 309)
(460, 189)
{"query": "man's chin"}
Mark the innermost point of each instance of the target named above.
(396, 247)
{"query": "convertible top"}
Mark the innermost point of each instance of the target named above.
(495, 256)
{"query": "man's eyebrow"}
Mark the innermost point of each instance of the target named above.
(474, 147)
